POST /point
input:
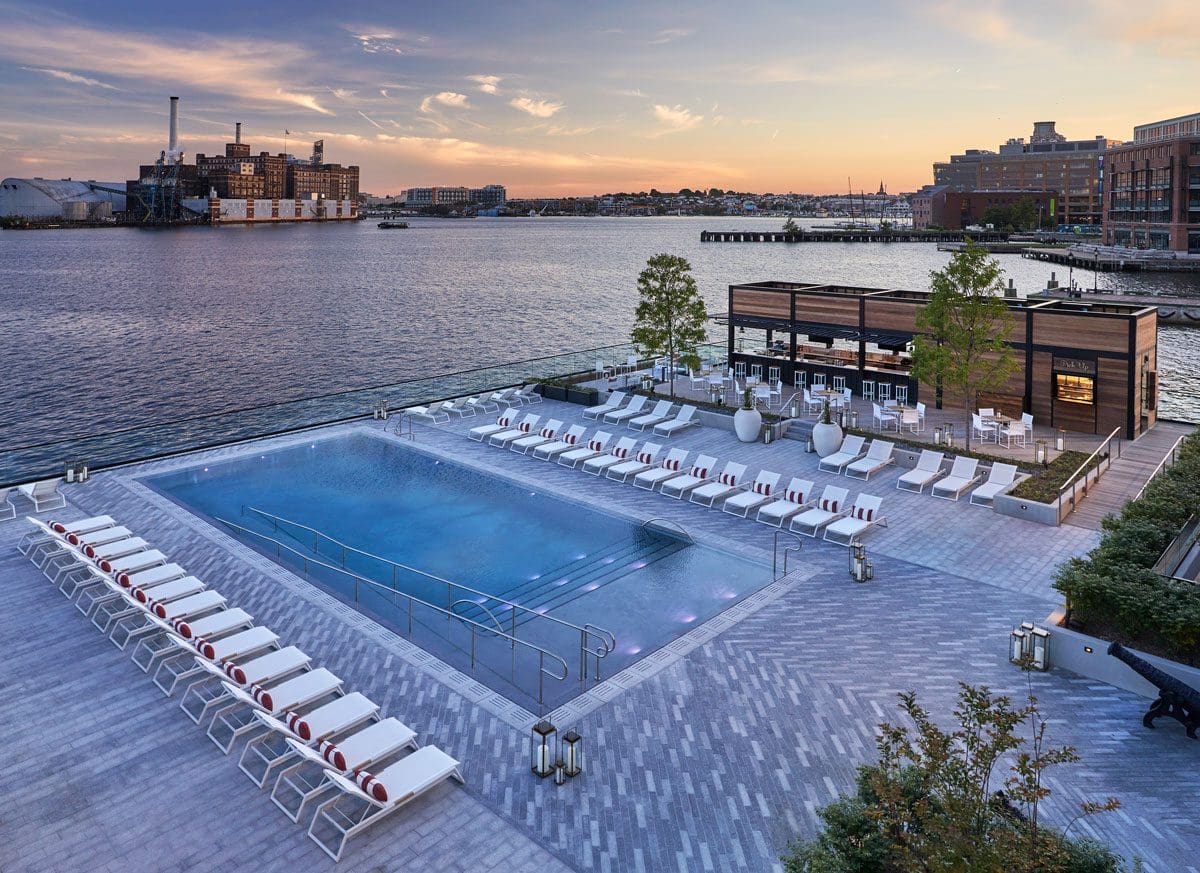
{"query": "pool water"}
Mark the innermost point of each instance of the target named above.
(388, 502)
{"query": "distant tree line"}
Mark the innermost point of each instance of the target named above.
(1022, 215)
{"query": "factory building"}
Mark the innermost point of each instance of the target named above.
(61, 199)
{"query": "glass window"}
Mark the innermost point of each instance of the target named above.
(1074, 389)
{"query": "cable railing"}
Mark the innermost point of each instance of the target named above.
(1078, 480)
(593, 640)
(476, 628)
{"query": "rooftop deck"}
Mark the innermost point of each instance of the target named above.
(709, 755)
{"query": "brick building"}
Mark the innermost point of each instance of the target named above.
(238, 174)
(1153, 198)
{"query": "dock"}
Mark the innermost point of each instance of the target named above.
(1112, 261)
(849, 235)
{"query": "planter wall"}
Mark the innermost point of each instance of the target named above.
(719, 420)
(1069, 651)
(1043, 513)
(553, 392)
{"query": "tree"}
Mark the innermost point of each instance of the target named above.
(929, 804)
(790, 226)
(671, 317)
(964, 327)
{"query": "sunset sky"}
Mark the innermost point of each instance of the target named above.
(580, 98)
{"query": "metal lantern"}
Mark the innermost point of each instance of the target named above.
(69, 475)
(1016, 645)
(870, 571)
(571, 750)
(938, 435)
(541, 748)
(1039, 452)
(858, 562)
(808, 446)
(794, 411)
(950, 435)
(1060, 440)
(854, 418)
(1040, 648)
(560, 773)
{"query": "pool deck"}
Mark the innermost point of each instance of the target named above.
(709, 755)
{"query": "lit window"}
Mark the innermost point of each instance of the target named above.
(1074, 389)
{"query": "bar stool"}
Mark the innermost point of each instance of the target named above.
(773, 374)
(799, 378)
(739, 369)
(839, 383)
(756, 371)
(868, 389)
(902, 395)
(883, 391)
(818, 380)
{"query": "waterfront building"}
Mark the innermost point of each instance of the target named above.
(1086, 367)
(1153, 198)
(954, 209)
(1047, 162)
(441, 195)
(237, 173)
(50, 199)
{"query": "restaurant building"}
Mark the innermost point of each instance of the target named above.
(1083, 366)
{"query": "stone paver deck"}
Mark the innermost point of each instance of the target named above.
(712, 762)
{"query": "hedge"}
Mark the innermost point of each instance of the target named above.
(1115, 594)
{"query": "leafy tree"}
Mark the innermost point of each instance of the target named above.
(1022, 215)
(671, 317)
(964, 328)
(929, 804)
(790, 226)
(715, 192)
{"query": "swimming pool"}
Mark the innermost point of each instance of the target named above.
(498, 542)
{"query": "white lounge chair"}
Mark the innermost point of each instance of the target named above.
(565, 443)
(53, 533)
(828, 508)
(878, 456)
(457, 406)
(387, 791)
(645, 458)
(668, 468)
(685, 419)
(928, 469)
(503, 422)
(660, 413)
(545, 436)
(527, 394)
(1001, 476)
(7, 510)
(863, 515)
(612, 404)
(963, 474)
(761, 490)
(153, 646)
(244, 644)
(208, 691)
(526, 426)
(728, 482)
(636, 404)
(701, 472)
(427, 413)
(44, 494)
(793, 499)
(302, 781)
(482, 404)
(595, 446)
(297, 693)
(851, 450)
(617, 454)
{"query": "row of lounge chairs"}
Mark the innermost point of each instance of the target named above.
(857, 464)
(649, 468)
(43, 495)
(463, 407)
(661, 418)
(952, 484)
(331, 753)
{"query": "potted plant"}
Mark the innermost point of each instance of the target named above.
(747, 421)
(826, 436)
(585, 395)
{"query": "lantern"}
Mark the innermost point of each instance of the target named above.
(572, 753)
(870, 571)
(938, 435)
(858, 562)
(560, 775)
(1060, 440)
(70, 472)
(808, 446)
(794, 411)
(1040, 646)
(950, 435)
(853, 418)
(541, 748)
(1016, 645)
(1039, 452)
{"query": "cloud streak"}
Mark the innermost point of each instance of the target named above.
(72, 77)
(536, 108)
(486, 84)
(676, 118)
(451, 99)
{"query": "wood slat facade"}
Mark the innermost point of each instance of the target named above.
(1087, 367)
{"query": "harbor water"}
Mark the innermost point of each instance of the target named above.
(114, 328)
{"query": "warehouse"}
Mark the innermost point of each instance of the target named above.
(61, 199)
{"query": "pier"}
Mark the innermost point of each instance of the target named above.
(850, 235)
(1116, 261)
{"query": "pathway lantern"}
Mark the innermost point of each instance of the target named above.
(950, 435)
(858, 562)
(939, 435)
(794, 410)
(1016, 645)
(1039, 452)
(853, 418)
(560, 773)
(572, 753)
(541, 748)
(1060, 440)
(1040, 648)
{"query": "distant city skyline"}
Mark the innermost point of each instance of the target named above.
(564, 98)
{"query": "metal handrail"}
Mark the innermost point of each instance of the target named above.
(1168, 460)
(490, 614)
(666, 522)
(775, 574)
(606, 637)
(1073, 480)
(542, 654)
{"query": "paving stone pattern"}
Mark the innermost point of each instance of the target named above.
(712, 762)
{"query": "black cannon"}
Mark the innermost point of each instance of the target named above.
(1175, 700)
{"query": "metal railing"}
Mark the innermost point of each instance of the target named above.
(475, 627)
(788, 550)
(1078, 481)
(673, 526)
(594, 641)
(1168, 461)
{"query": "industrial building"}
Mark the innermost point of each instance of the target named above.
(1153, 198)
(953, 208)
(61, 199)
(488, 195)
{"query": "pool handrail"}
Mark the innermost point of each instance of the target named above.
(542, 653)
(608, 640)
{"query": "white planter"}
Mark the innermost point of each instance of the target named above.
(747, 423)
(827, 438)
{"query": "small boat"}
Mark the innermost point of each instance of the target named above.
(393, 225)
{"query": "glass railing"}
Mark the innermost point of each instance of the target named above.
(161, 439)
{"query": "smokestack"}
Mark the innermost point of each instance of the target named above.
(237, 134)
(173, 141)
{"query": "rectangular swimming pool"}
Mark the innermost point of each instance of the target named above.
(362, 501)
